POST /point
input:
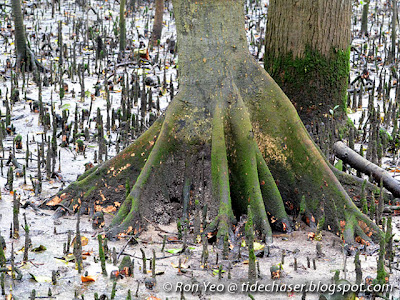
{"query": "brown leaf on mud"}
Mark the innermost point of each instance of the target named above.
(88, 278)
(153, 298)
(358, 239)
(130, 228)
(109, 209)
(103, 198)
(172, 238)
(342, 224)
(56, 200)
(84, 241)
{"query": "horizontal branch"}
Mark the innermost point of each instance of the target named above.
(363, 165)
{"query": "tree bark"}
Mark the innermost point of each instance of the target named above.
(122, 26)
(392, 53)
(158, 22)
(364, 18)
(20, 39)
(307, 53)
(230, 138)
(23, 52)
(359, 163)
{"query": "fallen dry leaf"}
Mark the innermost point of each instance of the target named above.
(84, 241)
(88, 278)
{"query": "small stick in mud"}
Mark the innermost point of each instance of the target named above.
(336, 276)
(16, 205)
(379, 211)
(12, 263)
(143, 261)
(105, 246)
(204, 215)
(2, 284)
(2, 255)
(10, 178)
(59, 161)
(102, 256)
(358, 269)
(196, 221)
(204, 254)
(137, 290)
(185, 233)
(179, 225)
(33, 295)
(114, 256)
(153, 265)
(308, 262)
(27, 239)
(314, 262)
(68, 241)
(78, 245)
(319, 249)
(363, 198)
(389, 240)
(163, 244)
(114, 289)
(179, 266)
(24, 172)
(54, 277)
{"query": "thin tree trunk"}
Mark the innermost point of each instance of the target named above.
(364, 18)
(392, 54)
(122, 26)
(20, 38)
(158, 22)
(307, 53)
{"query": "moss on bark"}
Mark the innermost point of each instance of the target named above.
(315, 83)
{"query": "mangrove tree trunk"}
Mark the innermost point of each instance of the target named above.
(23, 53)
(229, 139)
(307, 53)
(158, 22)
